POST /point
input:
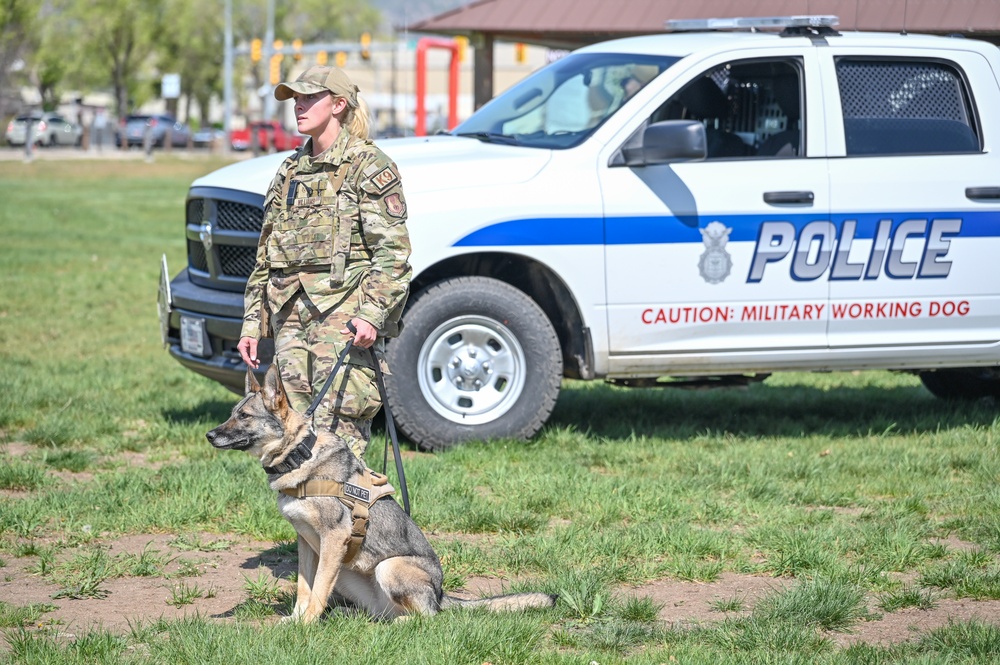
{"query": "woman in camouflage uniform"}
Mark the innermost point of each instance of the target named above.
(333, 249)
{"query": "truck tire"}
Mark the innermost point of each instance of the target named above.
(476, 360)
(966, 383)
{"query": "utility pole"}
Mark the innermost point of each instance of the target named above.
(227, 74)
(268, 101)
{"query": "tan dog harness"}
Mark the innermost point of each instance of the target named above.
(358, 497)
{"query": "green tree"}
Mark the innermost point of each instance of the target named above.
(127, 45)
(193, 48)
(17, 27)
(52, 47)
(309, 20)
(120, 40)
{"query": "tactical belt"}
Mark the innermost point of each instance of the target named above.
(358, 497)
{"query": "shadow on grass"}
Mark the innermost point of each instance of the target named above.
(281, 560)
(214, 412)
(762, 410)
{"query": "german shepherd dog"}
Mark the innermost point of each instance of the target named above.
(395, 572)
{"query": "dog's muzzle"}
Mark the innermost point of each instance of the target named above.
(222, 444)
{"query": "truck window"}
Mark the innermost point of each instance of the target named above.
(904, 106)
(562, 104)
(750, 108)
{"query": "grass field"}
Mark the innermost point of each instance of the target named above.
(860, 492)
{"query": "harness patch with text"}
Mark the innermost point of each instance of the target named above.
(355, 492)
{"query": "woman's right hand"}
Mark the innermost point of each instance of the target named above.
(248, 351)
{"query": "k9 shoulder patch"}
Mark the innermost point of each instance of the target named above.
(384, 179)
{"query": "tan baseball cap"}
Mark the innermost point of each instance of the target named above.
(316, 79)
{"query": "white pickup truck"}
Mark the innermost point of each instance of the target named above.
(704, 204)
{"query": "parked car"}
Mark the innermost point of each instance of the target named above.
(48, 129)
(134, 128)
(207, 137)
(270, 136)
(809, 201)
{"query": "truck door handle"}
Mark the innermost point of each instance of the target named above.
(982, 192)
(776, 198)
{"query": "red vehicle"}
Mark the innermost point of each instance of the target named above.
(270, 136)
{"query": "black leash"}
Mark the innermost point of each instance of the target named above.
(389, 424)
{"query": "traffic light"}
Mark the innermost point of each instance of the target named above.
(340, 59)
(520, 53)
(255, 50)
(463, 46)
(366, 44)
(297, 45)
(321, 58)
(275, 69)
(275, 64)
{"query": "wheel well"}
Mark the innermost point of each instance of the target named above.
(541, 285)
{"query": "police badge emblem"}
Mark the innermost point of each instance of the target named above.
(715, 262)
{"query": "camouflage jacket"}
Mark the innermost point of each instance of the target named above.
(329, 241)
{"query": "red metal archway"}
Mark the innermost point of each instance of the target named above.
(424, 43)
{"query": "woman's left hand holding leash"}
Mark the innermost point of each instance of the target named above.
(365, 335)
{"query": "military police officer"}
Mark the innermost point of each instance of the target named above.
(333, 249)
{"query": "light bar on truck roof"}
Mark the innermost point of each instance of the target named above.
(751, 23)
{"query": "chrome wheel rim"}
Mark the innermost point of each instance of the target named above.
(471, 370)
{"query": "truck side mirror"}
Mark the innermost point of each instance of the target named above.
(664, 143)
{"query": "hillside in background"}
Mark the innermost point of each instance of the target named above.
(399, 13)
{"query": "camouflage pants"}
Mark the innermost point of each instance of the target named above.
(307, 343)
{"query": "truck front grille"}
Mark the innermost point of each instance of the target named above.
(239, 216)
(223, 227)
(196, 256)
(237, 261)
(195, 211)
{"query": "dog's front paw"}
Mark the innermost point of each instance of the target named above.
(304, 616)
(295, 616)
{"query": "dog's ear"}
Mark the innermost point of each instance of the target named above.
(274, 391)
(251, 385)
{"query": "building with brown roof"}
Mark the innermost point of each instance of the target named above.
(568, 24)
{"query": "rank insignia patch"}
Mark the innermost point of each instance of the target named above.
(394, 205)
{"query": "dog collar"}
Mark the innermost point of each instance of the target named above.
(294, 459)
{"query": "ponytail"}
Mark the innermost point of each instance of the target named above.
(358, 119)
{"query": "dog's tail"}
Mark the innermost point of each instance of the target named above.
(511, 602)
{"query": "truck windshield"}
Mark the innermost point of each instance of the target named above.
(562, 104)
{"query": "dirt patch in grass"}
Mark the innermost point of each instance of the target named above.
(214, 581)
(216, 577)
(210, 575)
(685, 604)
